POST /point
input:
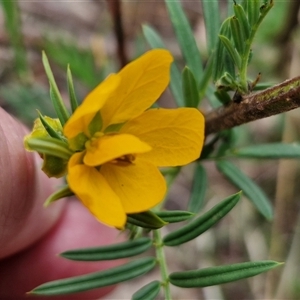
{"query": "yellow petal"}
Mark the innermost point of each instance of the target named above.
(142, 82)
(140, 186)
(175, 135)
(110, 147)
(76, 159)
(93, 102)
(95, 193)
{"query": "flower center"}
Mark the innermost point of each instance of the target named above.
(91, 144)
(101, 143)
(124, 160)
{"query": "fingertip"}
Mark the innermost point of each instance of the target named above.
(42, 263)
(24, 188)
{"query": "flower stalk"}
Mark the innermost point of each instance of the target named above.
(161, 258)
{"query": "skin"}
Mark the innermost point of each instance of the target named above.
(31, 236)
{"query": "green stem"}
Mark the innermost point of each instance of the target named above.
(245, 57)
(160, 255)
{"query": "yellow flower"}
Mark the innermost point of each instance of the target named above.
(120, 144)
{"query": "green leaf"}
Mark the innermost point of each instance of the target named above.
(231, 51)
(71, 90)
(189, 87)
(203, 87)
(253, 11)
(248, 186)
(55, 96)
(152, 37)
(244, 4)
(65, 52)
(147, 292)
(228, 141)
(222, 62)
(56, 99)
(198, 189)
(51, 131)
(61, 193)
(185, 38)
(202, 223)
(242, 17)
(271, 151)
(155, 41)
(222, 274)
(211, 13)
(223, 96)
(228, 81)
(96, 280)
(117, 251)
(51, 146)
(262, 86)
(237, 35)
(146, 219)
(174, 216)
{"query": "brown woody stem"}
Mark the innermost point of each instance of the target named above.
(116, 12)
(272, 101)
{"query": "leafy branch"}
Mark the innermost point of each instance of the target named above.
(272, 101)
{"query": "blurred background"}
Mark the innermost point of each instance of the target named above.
(99, 37)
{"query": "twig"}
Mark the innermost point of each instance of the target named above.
(284, 38)
(272, 101)
(291, 22)
(115, 9)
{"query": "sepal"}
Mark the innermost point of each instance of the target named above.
(50, 146)
(41, 128)
(54, 166)
(61, 193)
